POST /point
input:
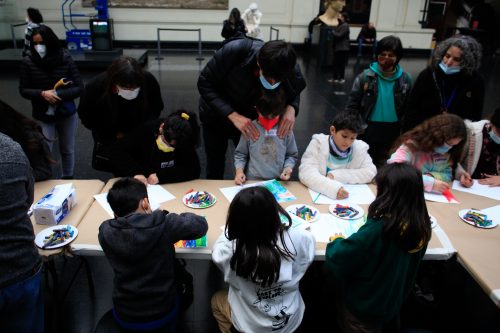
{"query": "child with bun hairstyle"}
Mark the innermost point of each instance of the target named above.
(336, 159)
(160, 151)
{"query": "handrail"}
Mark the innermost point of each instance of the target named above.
(175, 29)
(12, 26)
(271, 33)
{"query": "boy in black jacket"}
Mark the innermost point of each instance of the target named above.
(139, 245)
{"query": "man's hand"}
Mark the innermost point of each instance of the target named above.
(330, 175)
(244, 125)
(51, 96)
(240, 177)
(287, 121)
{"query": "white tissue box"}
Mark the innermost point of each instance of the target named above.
(55, 205)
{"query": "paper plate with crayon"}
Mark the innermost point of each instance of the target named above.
(199, 199)
(56, 236)
(305, 212)
(477, 218)
(346, 211)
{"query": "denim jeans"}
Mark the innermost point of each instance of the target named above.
(64, 130)
(21, 306)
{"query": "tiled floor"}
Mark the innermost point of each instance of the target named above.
(177, 75)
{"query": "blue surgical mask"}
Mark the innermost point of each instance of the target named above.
(267, 85)
(494, 136)
(443, 149)
(449, 70)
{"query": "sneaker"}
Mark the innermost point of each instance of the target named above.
(340, 81)
(331, 80)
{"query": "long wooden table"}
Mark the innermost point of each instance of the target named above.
(478, 249)
(216, 217)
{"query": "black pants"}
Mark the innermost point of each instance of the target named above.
(339, 64)
(380, 137)
(215, 137)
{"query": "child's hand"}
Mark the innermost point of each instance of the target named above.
(330, 175)
(337, 235)
(240, 177)
(153, 179)
(342, 194)
(466, 180)
(142, 179)
(285, 175)
(440, 186)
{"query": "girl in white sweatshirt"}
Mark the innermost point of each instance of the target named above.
(262, 260)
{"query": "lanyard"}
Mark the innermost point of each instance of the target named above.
(445, 103)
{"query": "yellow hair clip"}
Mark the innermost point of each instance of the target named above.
(185, 116)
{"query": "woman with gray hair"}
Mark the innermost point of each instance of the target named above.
(451, 84)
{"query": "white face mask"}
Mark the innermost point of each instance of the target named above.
(128, 94)
(41, 50)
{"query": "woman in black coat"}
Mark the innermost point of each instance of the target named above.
(50, 79)
(234, 25)
(451, 84)
(116, 102)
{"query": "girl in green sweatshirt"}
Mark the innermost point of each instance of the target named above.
(375, 268)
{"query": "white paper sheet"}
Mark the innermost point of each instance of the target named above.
(437, 197)
(492, 212)
(478, 189)
(156, 195)
(328, 225)
(358, 194)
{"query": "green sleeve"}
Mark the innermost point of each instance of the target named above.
(344, 256)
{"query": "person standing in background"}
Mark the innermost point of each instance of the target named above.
(379, 94)
(21, 298)
(340, 49)
(33, 19)
(116, 102)
(234, 25)
(50, 79)
(367, 35)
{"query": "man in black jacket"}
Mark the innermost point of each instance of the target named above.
(229, 86)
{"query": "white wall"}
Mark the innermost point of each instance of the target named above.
(291, 17)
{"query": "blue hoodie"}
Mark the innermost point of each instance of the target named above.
(384, 109)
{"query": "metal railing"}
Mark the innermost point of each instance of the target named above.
(271, 33)
(172, 29)
(12, 26)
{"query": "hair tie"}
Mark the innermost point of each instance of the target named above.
(185, 116)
